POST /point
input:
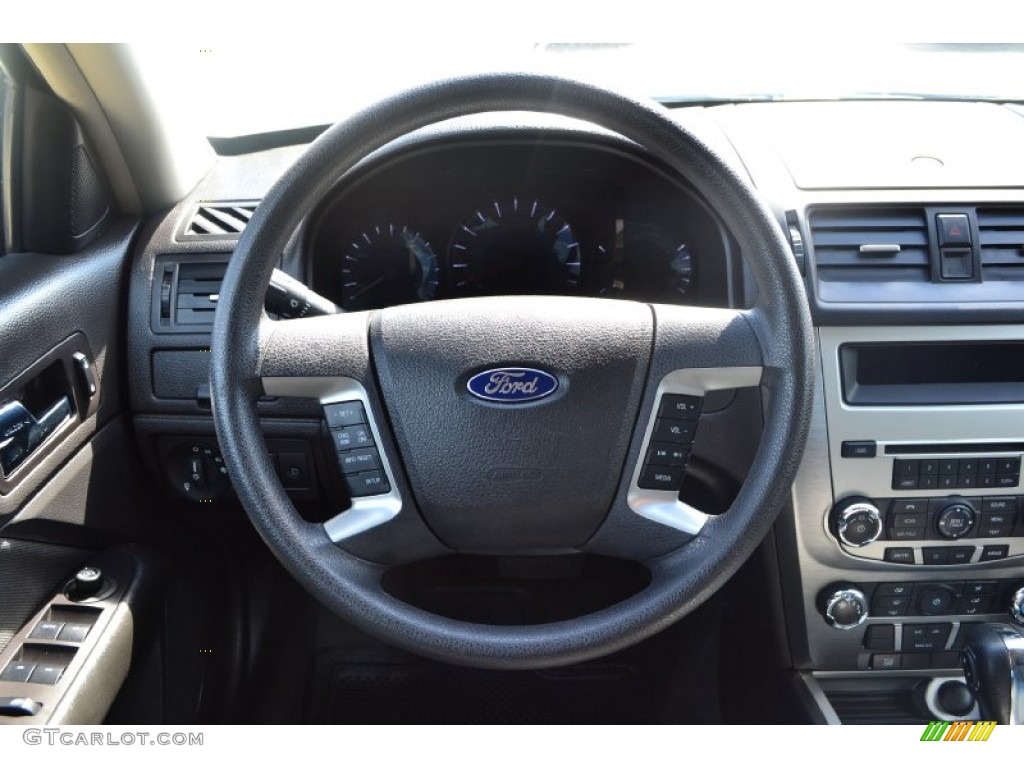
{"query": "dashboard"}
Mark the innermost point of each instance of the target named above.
(516, 218)
(894, 507)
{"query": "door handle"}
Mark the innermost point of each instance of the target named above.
(21, 432)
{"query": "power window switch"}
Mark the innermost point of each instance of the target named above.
(46, 630)
(74, 633)
(46, 674)
(18, 672)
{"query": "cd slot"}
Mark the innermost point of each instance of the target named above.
(929, 449)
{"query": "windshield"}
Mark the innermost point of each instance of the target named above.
(238, 90)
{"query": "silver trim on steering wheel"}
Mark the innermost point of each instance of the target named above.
(366, 511)
(665, 507)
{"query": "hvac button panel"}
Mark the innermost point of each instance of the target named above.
(356, 450)
(671, 441)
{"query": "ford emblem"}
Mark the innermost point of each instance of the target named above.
(512, 385)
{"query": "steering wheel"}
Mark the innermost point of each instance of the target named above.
(521, 474)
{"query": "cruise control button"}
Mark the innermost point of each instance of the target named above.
(357, 436)
(661, 478)
(359, 461)
(668, 454)
(674, 430)
(344, 414)
(680, 406)
(367, 483)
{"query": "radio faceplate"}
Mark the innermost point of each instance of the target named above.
(915, 460)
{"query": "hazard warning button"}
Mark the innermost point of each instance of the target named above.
(954, 229)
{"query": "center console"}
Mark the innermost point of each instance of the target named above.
(908, 520)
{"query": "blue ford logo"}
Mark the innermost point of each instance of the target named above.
(512, 385)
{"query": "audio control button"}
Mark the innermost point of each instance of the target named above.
(960, 555)
(902, 555)
(992, 552)
(909, 506)
(955, 521)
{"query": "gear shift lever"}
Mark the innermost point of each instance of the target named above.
(994, 669)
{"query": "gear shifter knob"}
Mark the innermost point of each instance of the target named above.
(994, 669)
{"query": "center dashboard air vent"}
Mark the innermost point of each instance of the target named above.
(870, 245)
(1001, 237)
(218, 221)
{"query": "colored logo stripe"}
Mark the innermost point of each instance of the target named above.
(963, 730)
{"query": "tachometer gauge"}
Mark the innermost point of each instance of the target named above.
(514, 246)
(656, 267)
(384, 265)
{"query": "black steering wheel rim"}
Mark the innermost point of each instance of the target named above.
(682, 579)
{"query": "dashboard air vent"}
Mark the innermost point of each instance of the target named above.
(219, 220)
(198, 293)
(1001, 235)
(870, 245)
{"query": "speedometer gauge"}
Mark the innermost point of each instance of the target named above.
(514, 246)
(384, 265)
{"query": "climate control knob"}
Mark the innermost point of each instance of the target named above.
(1017, 606)
(955, 521)
(856, 521)
(844, 606)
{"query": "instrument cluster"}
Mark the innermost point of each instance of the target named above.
(516, 218)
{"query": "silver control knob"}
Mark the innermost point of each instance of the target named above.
(846, 608)
(858, 522)
(1017, 606)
